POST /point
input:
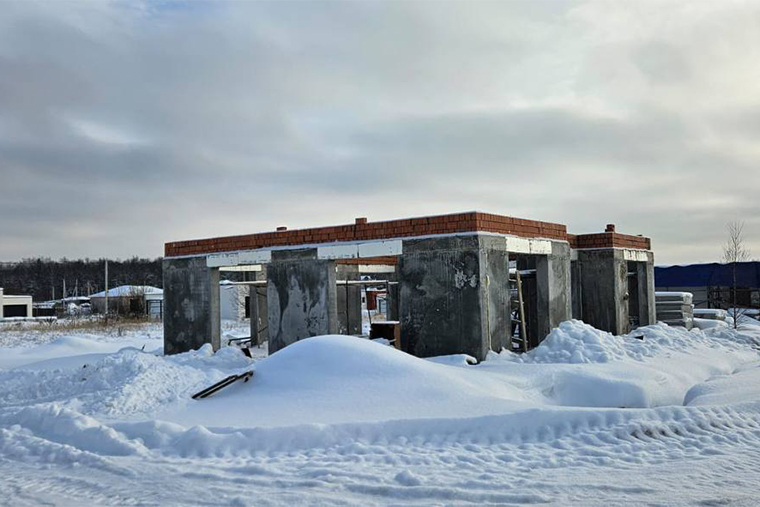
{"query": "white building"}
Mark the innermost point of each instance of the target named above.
(15, 306)
(130, 299)
(233, 301)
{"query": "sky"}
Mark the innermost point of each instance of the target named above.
(128, 124)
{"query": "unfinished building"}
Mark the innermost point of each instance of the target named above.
(613, 280)
(447, 278)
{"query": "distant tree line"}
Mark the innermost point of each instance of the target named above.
(44, 278)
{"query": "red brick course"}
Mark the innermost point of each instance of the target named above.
(404, 228)
(610, 240)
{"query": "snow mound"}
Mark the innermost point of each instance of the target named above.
(739, 387)
(22, 348)
(129, 382)
(576, 342)
(328, 379)
(708, 323)
(335, 358)
(57, 424)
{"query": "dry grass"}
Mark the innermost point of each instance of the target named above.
(115, 326)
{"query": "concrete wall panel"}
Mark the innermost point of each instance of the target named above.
(301, 297)
(191, 305)
(453, 295)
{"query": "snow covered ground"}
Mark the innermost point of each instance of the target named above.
(662, 416)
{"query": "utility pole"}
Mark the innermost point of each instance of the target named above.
(106, 298)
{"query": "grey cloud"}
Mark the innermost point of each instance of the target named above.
(124, 125)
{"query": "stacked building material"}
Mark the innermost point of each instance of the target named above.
(675, 308)
(711, 314)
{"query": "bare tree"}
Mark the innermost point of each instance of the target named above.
(735, 252)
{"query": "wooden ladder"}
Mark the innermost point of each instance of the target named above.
(518, 307)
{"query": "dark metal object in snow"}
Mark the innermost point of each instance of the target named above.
(243, 344)
(222, 384)
(390, 330)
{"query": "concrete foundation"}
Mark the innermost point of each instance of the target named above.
(454, 295)
(610, 298)
(301, 297)
(191, 305)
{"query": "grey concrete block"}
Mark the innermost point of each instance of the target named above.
(576, 294)
(608, 302)
(302, 298)
(454, 295)
(554, 288)
(191, 305)
(603, 287)
(646, 291)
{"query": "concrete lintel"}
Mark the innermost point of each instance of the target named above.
(380, 248)
(376, 268)
(360, 250)
(245, 257)
(375, 248)
(339, 251)
(243, 268)
(255, 257)
(611, 248)
(219, 260)
(528, 245)
(635, 255)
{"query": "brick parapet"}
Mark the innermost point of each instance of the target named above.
(610, 240)
(362, 230)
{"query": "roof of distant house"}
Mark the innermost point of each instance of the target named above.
(129, 290)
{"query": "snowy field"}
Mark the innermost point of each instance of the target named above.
(662, 416)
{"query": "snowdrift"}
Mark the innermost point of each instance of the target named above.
(331, 379)
(342, 416)
(330, 390)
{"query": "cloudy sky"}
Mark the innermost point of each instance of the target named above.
(124, 125)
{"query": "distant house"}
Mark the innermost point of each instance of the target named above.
(72, 305)
(133, 300)
(711, 283)
(14, 306)
(233, 301)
